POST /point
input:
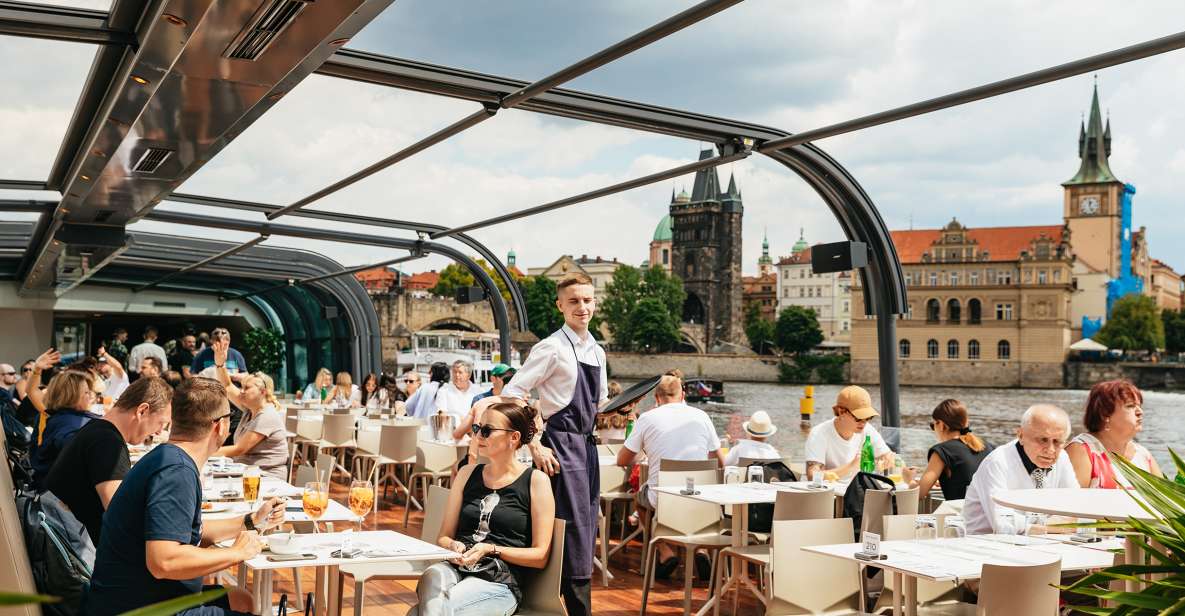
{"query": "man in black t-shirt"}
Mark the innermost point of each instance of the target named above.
(93, 464)
(182, 358)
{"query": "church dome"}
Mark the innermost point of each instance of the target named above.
(665, 230)
(801, 244)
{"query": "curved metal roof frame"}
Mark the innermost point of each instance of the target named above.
(884, 286)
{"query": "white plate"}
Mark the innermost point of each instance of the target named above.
(215, 507)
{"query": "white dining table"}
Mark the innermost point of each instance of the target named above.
(961, 559)
(1088, 503)
(377, 547)
(738, 496)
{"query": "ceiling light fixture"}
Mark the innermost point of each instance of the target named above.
(140, 80)
(85, 178)
(339, 42)
(173, 19)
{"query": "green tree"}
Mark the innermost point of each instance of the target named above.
(1174, 330)
(1134, 325)
(797, 330)
(621, 295)
(543, 317)
(652, 328)
(759, 330)
(452, 277)
(668, 288)
(263, 348)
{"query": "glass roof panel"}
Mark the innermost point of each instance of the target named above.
(41, 83)
(98, 5)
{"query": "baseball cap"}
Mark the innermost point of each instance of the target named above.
(856, 399)
(500, 369)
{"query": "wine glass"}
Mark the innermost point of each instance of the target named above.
(361, 500)
(251, 481)
(315, 501)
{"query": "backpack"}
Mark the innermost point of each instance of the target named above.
(761, 516)
(61, 553)
(15, 433)
(853, 499)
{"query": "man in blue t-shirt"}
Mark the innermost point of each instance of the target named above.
(154, 545)
(235, 363)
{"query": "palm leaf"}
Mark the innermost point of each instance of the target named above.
(20, 598)
(172, 606)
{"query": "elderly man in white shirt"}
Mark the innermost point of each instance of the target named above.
(567, 370)
(1036, 459)
(456, 396)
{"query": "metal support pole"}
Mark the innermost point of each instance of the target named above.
(234, 250)
(886, 342)
(595, 194)
(654, 33)
(473, 119)
(344, 272)
(1028, 80)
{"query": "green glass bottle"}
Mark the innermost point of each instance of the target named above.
(629, 427)
(867, 457)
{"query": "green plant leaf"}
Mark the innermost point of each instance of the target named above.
(20, 598)
(172, 606)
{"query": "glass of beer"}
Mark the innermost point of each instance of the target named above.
(361, 500)
(315, 500)
(251, 485)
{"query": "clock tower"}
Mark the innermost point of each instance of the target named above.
(1092, 206)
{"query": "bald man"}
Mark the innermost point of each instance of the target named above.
(1036, 459)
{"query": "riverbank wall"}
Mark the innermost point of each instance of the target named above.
(720, 366)
(1082, 375)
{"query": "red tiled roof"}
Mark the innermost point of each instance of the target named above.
(1001, 243)
(422, 280)
(799, 258)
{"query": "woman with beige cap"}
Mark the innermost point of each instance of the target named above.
(834, 445)
(759, 427)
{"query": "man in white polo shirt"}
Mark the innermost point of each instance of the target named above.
(1035, 459)
(835, 445)
(671, 431)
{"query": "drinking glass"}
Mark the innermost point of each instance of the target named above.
(953, 527)
(524, 455)
(924, 527)
(361, 500)
(756, 474)
(315, 501)
(251, 479)
(1032, 520)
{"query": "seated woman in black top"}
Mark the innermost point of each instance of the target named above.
(955, 458)
(499, 517)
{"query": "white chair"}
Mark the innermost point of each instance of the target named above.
(434, 508)
(366, 448)
(397, 449)
(686, 523)
(433, 465)
(806, 583)
(541, 588)
(1022, 589)
(337, 436)
(877, 505)
(614, 489)
(787, 506)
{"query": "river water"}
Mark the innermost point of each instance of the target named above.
(995, 415)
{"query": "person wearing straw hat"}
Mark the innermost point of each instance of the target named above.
(758, 428)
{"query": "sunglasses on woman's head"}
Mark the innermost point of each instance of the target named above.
(486, 430)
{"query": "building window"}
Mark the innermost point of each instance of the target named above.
(1005, 278)
(933, 279)
(802, 273)
(1042, 277)
(974, 278)
(802, 291)
(1057, 275)
(846, 306)
(666, 256)
(932, 310)
(991, 276)
(932, 349)
(903, 349)
(974, 312)
(952, 349)
(1003, 350)
(973, 349)
(846, 325)
(954, 278)
(1003, 312)
(954, 311)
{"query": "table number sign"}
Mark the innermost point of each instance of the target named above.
(870, 547)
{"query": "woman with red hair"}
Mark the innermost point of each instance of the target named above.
(1114, 416)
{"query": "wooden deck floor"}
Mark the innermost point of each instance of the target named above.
(623, 597)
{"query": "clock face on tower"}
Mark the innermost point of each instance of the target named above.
(1088, 205)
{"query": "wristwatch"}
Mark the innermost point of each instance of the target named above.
(248, 522)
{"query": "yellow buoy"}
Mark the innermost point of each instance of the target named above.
(806, 405)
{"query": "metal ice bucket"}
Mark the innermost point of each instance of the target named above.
(442, 426)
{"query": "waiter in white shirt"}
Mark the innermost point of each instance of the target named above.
(567, 370)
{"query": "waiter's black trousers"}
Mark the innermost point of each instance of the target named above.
(577, 596)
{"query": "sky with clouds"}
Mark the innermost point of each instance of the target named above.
(793, 65)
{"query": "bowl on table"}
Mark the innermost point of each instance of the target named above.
(283, 543)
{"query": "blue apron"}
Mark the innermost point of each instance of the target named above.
(577, 487)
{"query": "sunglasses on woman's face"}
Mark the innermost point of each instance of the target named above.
(486, 430)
